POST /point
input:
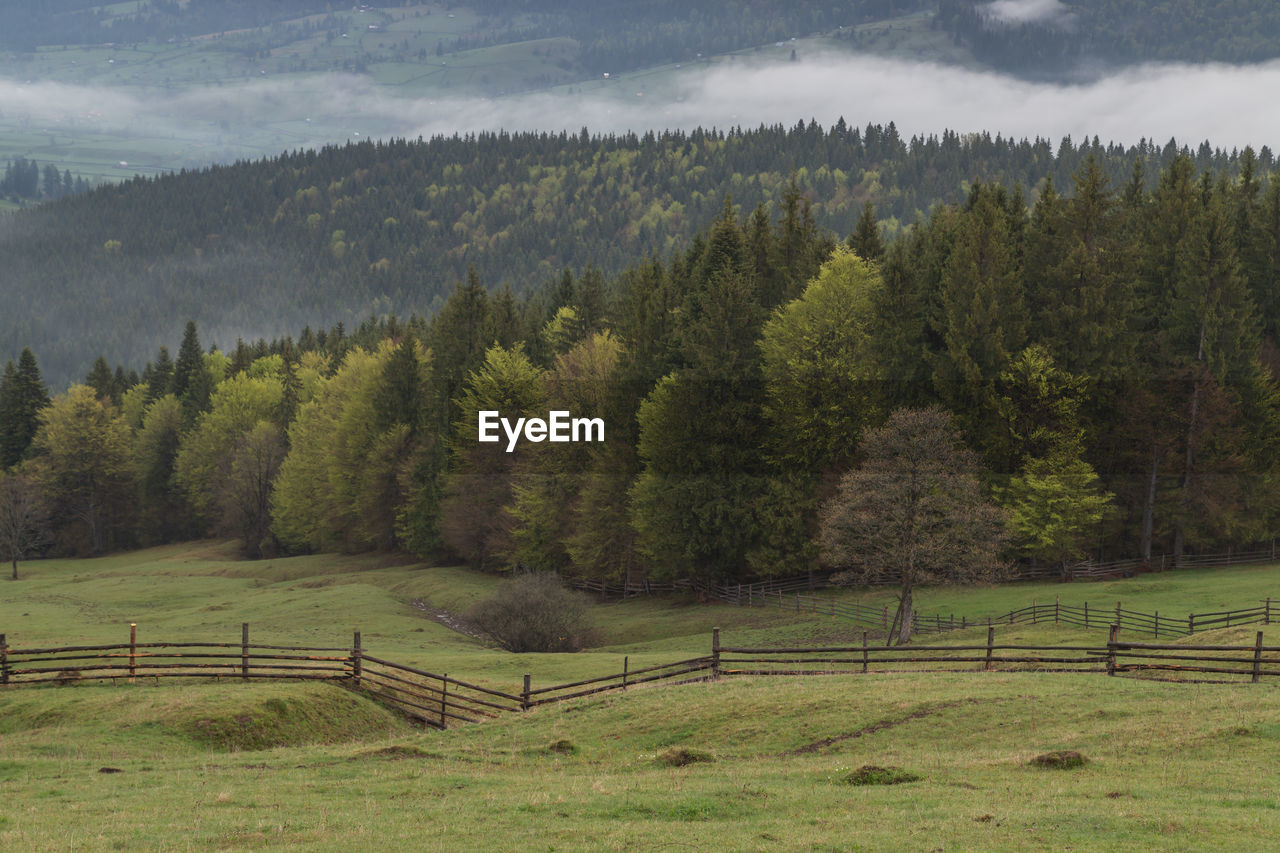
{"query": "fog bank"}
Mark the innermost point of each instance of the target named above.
(1193, 103)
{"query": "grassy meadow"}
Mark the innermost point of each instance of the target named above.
(738, 764)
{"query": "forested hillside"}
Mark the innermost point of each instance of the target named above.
(260, 249)
(1109, 353)
(1080, 33)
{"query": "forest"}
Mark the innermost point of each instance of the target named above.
(259, 249)
(1117, 33)
(1107, 352)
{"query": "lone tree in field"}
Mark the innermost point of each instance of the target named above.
(23, 521)
(914, 510)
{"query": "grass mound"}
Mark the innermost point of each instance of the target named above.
(562, 747)
(1063, 759)
(870, 774)
(315, 717)
(399, 751)
(682, 757)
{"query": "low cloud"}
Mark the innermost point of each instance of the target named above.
(1028, 12)
(1190, 102)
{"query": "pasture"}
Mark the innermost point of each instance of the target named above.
(740, 764)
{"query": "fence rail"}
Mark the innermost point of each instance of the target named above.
(439, 700)
(1081, 616)
(435, 699)
(1252, 662)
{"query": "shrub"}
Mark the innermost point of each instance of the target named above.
(533, 613)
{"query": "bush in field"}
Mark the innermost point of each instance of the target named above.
(533, 613)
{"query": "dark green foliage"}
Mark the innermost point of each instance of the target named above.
(1118, 32)
(201, 244)
(22, 396)
(1111, 349)
(865, 241)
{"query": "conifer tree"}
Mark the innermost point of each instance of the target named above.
(22, 397)
(865, 241)
(981, 317)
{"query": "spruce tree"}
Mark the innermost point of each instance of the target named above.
(865, 241)
(22, 395)
(161, 375)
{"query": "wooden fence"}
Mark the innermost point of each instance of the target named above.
(1114, 657)
(1081, 616)
(440, 700)
(435, 699)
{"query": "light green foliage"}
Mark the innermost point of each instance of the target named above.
(83, 465)
(244, 496)
(818, 365)
(1054, 505)
(1039, 406)
(236, 406)
(549, 509)
(474, 520)
(563, 330)
(316, 494)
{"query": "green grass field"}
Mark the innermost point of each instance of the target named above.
(222, 766)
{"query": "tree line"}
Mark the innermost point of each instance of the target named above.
(1106, 355)
(25, 180)
(315, 237)
(1116, 32)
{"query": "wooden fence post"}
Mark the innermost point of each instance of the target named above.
(357, 656)
(1035, 614)
(1117, 614)
(1266, 614)
(133, 650)
(1086, 616)
(1257, 658)
(444, 700)
(864, 651)
(524, 694)
(625, 660)
(1111, 650)
(1157, 624)
(991, 641)
(1057, 602)
(1191, 623)
(244, 651)
(884, 619)
(4, 660)
(715, 651)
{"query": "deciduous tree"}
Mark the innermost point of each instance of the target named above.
(913, 511)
